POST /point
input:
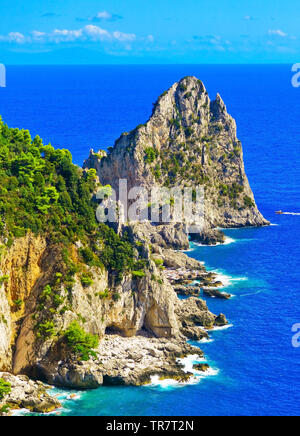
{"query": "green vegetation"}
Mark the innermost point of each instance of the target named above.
(18, 304)
(150, 155)
(5, 388)
(3, 279)
(5, 408)
(232, 191)
(248, 202)
(138, 274)
(86, 280)
(45, 330)
(81, 343)
(182, 87)
(158, 262)
(115, 252)
(157, 172)
(103, 295)
(188, 95)
(106, 191)
(42, 190)
(176, 122)
(116, 297)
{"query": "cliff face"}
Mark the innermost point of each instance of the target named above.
(30, 264)
(188, 141)
(19, 269)
(146, 307)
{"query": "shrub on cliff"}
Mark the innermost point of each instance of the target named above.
(116, 253)
(150, 155)
(5, 388)
(81, 343)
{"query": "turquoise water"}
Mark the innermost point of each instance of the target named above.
(258, 369)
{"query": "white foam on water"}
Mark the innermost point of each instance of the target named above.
(155, 381)
(26, 412)
(225, 279)
(227, 241)
(224, 327)
(205, 341)
(20, 412)
(228, 280)
(188, 363)
(251, 293)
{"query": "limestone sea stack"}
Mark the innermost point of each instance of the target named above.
(189, 140)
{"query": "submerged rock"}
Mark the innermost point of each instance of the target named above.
(221, 321)
(194, 333)
(216, 294)
(188, 291)
(194, 311)
(209, 237)
(203, 367)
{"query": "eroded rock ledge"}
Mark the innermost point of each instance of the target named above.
(26, 394)
(122, 361)
(133, 360)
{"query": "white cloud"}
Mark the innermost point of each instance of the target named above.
(90, 32)
(104, 15)
(64, 35)
(101, 16)
(14, 37)
(278, 32)
(95, 33)
(124, 36)
(37, 35)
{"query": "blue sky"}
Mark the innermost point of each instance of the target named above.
(143, 31)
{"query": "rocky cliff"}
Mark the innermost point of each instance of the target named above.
(142, 306)
(189, 140)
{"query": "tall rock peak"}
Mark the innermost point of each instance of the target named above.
(189, 140)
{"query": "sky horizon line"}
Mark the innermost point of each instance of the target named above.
(147, 64)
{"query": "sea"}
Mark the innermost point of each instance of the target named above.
(255, 361)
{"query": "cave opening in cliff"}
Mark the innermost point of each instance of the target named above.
(114, 330)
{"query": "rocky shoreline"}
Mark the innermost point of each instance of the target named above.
(133, 360)
(129, 361)
(26, 394)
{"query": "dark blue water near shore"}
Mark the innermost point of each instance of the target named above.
(258, 369)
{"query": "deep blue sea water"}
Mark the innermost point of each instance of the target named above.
(258, 369)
